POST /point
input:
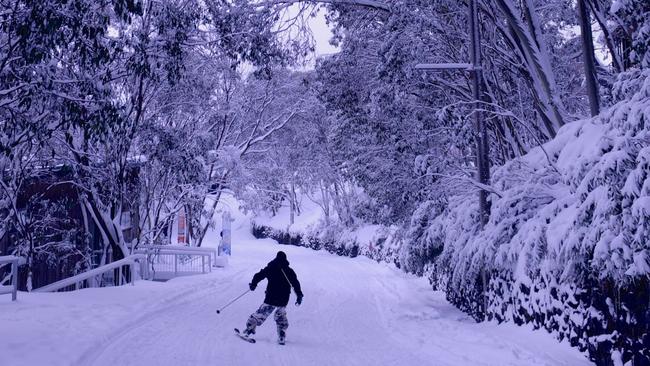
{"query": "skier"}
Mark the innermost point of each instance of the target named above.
(281, 278)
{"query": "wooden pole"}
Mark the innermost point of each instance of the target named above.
(482, 146)
(14, 280)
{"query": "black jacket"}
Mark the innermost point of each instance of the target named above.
(279, 284)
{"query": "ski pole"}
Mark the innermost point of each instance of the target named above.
(230, 303)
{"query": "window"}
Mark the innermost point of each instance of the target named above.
(125, 220)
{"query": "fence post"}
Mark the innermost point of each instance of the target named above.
(202, 264)
(132, 269)
(150, 258)
(14, 280)
(175, 265)
(143, 268)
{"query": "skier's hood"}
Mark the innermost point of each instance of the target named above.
(280, 260)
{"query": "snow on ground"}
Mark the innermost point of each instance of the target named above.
(355, 312)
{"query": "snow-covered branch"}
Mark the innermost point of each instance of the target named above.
(378, 5)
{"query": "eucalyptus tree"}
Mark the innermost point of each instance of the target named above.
(82, 82)
(56, 61)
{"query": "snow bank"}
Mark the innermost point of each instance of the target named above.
(55, 328)
(566, 247)
(355, 313)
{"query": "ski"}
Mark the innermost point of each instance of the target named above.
(240, 335)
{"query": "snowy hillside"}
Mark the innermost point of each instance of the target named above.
(566, 247)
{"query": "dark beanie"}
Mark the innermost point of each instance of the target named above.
(281, 256)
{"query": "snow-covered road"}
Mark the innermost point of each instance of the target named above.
(355, 312)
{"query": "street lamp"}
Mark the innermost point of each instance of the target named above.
(474, 68)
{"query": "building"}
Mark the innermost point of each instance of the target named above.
(64, 239)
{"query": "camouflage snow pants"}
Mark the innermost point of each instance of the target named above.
(263, 312)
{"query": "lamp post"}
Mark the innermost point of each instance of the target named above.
(482, 148)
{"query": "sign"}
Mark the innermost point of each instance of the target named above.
(224, 246)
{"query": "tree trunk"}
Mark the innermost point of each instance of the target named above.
(189, 228)
(589, 59)
(526, 38)
(209, 219)
(325, 195)
(338, 204)
(601, 17)
(111, 234)
(292, 206)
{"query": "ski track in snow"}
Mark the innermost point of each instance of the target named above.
(356, 312)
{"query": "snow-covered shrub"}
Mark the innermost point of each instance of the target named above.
(335, 239)
(635, 16)
(425, 244)
(566, 247)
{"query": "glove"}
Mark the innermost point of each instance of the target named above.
(252, 286)
(299, 300)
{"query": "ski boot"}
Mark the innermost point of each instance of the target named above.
(246, 335)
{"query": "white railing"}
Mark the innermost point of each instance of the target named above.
(168, 261)
(212, 251)
(15, 262)
(100, 276)
(154, 262)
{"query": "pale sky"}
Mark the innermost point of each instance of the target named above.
(322, 35)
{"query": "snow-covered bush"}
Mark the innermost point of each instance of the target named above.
(566, 247)
(382, 245)
(425, 245)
